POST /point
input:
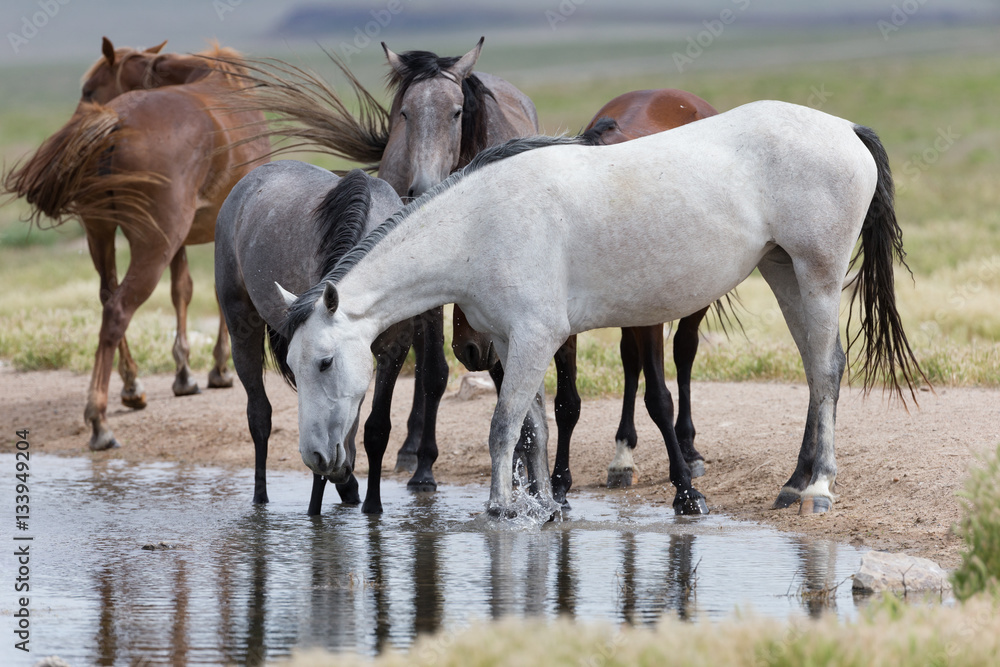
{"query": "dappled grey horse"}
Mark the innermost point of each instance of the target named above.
(285, 222)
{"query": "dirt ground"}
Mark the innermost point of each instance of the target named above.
(898, 471)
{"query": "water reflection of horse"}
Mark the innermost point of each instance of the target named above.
(688, 214)
(142, 153)
(441, 115)
(629, 116)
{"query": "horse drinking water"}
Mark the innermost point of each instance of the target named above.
(537, 245)
(628, 116)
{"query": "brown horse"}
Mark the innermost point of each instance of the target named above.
(626, 117)
(145, 151)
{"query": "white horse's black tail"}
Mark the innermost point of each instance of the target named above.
(887, 355)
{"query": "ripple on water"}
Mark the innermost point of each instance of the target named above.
(245, 582)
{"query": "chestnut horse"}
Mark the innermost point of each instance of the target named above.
(145, 151)
(629, 116)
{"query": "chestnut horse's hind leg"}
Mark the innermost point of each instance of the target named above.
(181, 288)
(143, 273)
(685, 350)
(101, 242)
(220, 377)
(567, 408)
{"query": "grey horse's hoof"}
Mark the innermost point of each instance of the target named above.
(620, 478)
(104, 442)
(406, 463)
(498, 512)
(785, 499)
(697, 468)
(690, 504)
(217, 380)
(815, 505)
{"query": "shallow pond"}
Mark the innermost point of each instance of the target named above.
(241, 584)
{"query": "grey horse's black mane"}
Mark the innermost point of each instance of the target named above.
(304, 306)
(423, 65)
(340, 221)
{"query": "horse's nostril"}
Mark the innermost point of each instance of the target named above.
(320, 461)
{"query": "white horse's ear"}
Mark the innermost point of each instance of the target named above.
(463, 67)
(286, 296)
(330, 297)
(395, 62)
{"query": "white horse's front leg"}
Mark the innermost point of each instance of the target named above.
(524, 372)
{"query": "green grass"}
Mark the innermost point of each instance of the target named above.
(887, 633)
(980, 530)
(948, 202)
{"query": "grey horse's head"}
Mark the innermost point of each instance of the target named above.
(437, 120)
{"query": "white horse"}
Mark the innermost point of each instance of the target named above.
(536, 245)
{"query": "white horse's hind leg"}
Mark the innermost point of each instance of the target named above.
(536, 456)
(524, 372)
(811, 307)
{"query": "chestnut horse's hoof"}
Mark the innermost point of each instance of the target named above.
(134, 400)
(103, 442)
(217, 380)
(815, 505)
(697, 468)
(786, 499)
(406, 463)
(185, 388)
(620, 478)
(690, 503)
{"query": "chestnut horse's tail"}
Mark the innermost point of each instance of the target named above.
(887, 354)
(309, 114)
(70, 175)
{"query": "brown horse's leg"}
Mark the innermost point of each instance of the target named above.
(685, 350)
(220, 377)
(660, 407)
(140, 280)
(101, 241)
(567, 408)
(181, 288)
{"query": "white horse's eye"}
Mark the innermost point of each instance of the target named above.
(324, 364)
(402, 114)
(457, 114)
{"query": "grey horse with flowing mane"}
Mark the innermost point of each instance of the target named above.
(542, 238)
(442, 114)
(265, 234)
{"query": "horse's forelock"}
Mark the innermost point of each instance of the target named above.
(475, 120)
(417, 66)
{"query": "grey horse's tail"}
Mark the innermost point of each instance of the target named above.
(308, 114)
(887, 355)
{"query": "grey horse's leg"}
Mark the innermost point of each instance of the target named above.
(814, 325)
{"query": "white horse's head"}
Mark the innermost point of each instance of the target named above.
(333, 368)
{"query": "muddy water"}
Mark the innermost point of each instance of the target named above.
(242, 584)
